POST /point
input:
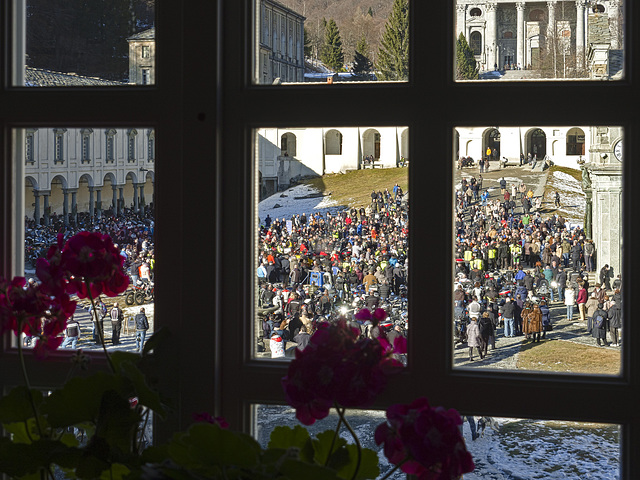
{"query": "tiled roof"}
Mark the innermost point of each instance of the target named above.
(37, 77)
(149, 34)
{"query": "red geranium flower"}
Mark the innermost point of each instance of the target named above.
(428, 441)
(91, 257)
(206, 417)
(336, 367)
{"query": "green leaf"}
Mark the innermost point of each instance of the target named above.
(368, 464)
(119, 357)
(154, 340)
(209, 446)
(322, 445)
(116, 472)
(19, 433)
(286, 437)
(78, 400)
(295, 469)
(117, 421)
(16, 406)
(146, 395)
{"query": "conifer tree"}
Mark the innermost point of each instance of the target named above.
(393, 55)
(332, 55)
(308, 47)
(361, 63)
(466, 68)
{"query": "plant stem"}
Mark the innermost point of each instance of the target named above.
(98, 329)
(355, 439)
(335, 435)
(392, 471)
(28, 385)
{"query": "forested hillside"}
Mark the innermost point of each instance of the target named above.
(354, 18)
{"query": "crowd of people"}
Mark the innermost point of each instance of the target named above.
(309, 263)
(512, 264)
(133, 234)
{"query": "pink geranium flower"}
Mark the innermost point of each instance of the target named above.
(428, 441)
(208, 418)
(336, 367)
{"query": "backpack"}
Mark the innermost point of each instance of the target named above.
(72, 330)
(598, 321)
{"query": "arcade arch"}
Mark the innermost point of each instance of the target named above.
(536, 142)
(333, 142)
(491, 139)
(288, 144)
(404, 144)
(371, 143)
(575, 141)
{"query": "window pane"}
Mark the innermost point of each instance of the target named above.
(85, 179)
(74, 43)
(329, 42)
(538, 229)
(333, 223)
(500, 447)
(529, 40)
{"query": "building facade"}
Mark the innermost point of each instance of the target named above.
(280, 44)
(562, 145)
(523, 34)
(285, 154)
(142, 57)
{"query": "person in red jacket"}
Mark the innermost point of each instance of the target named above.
(581, 301)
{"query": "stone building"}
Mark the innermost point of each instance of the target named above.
(287, 153)
(602, 184)
(71, 170)
(562, 145)
(516, 34)
(142, 57)
(280, 44)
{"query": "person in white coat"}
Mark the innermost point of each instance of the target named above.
(569, 301)
(474, 339)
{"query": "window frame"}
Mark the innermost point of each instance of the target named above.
(204, 126)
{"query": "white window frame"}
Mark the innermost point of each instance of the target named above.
(110, 146)
(86, 145)
(204, 125)
(132, 136)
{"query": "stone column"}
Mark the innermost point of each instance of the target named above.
(74, 207)
(99, 203)
(121, 201)
(45, 196)
(520, 34)
(135, 197)
(65, 206)
(580, 4)
(91, 210)
(461, 20)
(614, 24)
(36, 210)
(142, 199)
(114, 200)
(552, 33)
(491, 42)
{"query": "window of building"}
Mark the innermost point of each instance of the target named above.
(476, 43)
(203, 131)
(30, 145)
(86, 144)
(475, 12)
(151, 146)
(146, 51)
(110, 144)
(145, 76)
(131, 144)
(58, 144)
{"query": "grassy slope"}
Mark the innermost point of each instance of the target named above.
(354, 188)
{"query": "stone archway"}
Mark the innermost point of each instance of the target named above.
(288, 145)
(491, 140)
(333, 142)
(537, 143)
(404, 144)
(575, 142)
(371, 144)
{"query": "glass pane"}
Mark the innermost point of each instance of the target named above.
(500, 447)
(333, 223)
(331, 42)
(538, 252)
(529, 40)
(76, 43)
(94, 179)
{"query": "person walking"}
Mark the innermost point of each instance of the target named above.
(71, 333)
(142, 325)
(117, 316)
